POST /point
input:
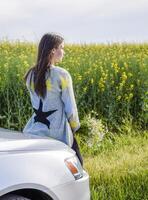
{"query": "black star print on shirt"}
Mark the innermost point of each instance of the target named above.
(41, 116)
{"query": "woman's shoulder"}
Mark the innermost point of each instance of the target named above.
(61, 71)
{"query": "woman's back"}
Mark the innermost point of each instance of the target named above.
(51, 114)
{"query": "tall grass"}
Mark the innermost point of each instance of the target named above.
(118, 166)
(110, 80)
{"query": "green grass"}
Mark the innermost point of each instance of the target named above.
(119, 168)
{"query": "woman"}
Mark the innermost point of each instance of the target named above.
(52, 97)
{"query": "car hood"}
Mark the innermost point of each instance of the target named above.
(17, 141)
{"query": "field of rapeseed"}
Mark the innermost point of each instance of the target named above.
(110, 82)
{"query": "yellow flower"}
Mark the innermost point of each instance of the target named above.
(84, 89)
(115, 67)
(124, 76)
(126, 97)
(131, 86)
(118, 98)
(130, 96)
(121, 85)
(79, 77)
(130, 74)
(25, 64)
(126, 65)
(92, 81)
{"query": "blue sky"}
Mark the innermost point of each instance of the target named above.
(79, 21)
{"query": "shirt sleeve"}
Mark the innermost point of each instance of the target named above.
(68, 99)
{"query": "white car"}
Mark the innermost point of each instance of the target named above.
(37, 168)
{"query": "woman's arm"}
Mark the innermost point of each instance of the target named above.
(68, 99)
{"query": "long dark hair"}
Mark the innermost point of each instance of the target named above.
(46, 44)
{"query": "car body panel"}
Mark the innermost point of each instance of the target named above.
(74, 190)
(38, 163)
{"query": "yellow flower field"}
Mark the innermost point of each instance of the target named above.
(108, 79)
